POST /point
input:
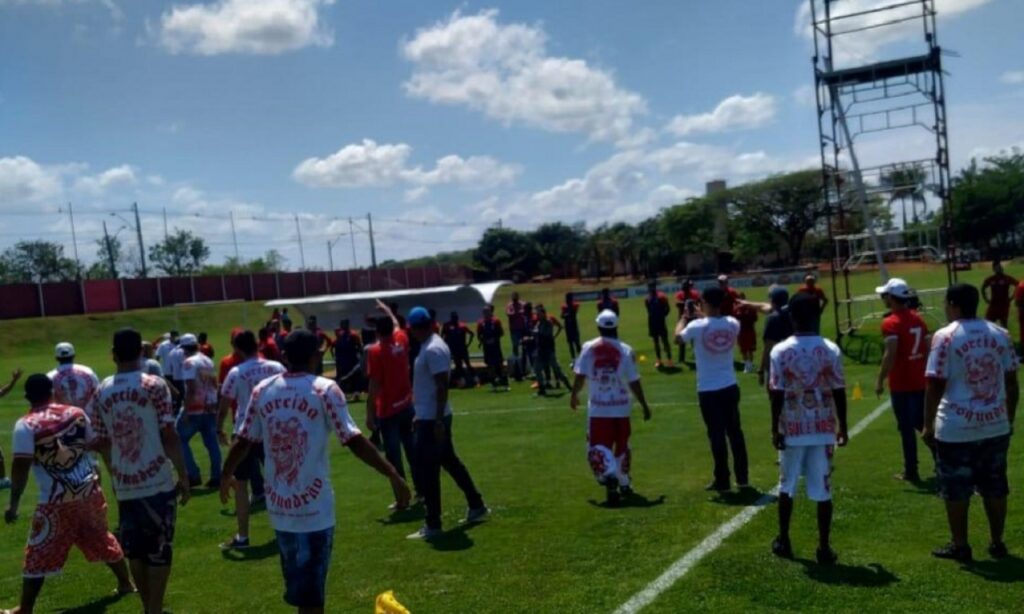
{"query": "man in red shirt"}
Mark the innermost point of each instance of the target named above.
(687, 293)
(389, 400)
(489, 333)
(996, 291)
(657, 307)
(811, 287)
(458, 337)
(323, 340)
(268, 347)
(204, 345)
(728, 307)
(903, 363)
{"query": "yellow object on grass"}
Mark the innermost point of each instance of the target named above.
(387, 604)
(858, 392)
(643, 358)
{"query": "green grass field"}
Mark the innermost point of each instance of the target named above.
(549, 546)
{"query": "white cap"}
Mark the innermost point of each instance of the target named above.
(167, 336)
(723, 277)
(607, 319)
(188, 340)
(895, 287)
(64, 350)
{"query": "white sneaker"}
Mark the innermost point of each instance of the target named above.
(5, 483)
(425, 534)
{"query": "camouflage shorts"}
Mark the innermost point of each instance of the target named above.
(973, 466)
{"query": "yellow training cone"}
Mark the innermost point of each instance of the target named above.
(387, 604)
(643, 358)
(858, 392)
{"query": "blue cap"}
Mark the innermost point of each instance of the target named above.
(778, 295)
(418, 316)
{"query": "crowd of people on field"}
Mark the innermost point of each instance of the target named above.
(954, 388)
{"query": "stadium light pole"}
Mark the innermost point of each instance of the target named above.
(302, 253)
(330, 249)
(137, 226)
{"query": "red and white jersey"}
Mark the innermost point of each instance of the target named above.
(56, 438)
(293, 415)
(73, 384)
(911, 334)
(200, 375)
(609, 366)
(973, 356)
(714, 340)
(129, 410)
(243, 379)
(806, 369)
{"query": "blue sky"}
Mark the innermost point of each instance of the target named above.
(446, 115)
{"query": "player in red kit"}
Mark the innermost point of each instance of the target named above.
(903, 364)
(747, 339)
(996, 291)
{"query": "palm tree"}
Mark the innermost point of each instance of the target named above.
(906, 183)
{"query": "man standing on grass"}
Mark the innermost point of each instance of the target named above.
(458, 337)
(811, 287)
(609, 365)
(133, 420)
(971, 401)
(808, 397)
(293, 415)
(165, 347)
(52, 440)
(570, 318)
(657, 307)
(389, 403)
(518, 326)
(489, 334)
(903, 363)
(5, 482)
(434, 442)
(729, 297)
(348, 353)
(546, 329)
(200, 412)
(778, 327)
(173, 367)
(997, 290)
(687, 294)
(714, 341)
(73, 384)
(607, 302)
(236, 391)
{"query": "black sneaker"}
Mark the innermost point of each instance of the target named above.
(997, 550)
(612, 497)
(212, 484)
(782, 548)
(626, 491)
(826, 556)
(716, 486)
(195, 482)
(951, 551)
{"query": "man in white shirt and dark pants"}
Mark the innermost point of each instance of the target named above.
(970, 403)
(610, 367)
(434, 448)
(714, 340)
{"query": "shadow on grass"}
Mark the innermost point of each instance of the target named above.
(634, 500)
(410, 514)
(743, 498)
(670, 370)
(253, 553)
(929, 486)
(1010, 569)
(454, 540)
(862, 576)
(97, 606)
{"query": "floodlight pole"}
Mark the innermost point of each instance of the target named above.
(302, 253)
(138, 234)
(74, 241)
(373, 248)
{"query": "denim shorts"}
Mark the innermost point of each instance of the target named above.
(146, 528)
(304, 561)
(972, 466)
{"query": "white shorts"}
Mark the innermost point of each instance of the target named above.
(814, 463)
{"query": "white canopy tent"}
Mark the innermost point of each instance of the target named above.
(468, 300)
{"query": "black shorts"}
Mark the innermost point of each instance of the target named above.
(250, 465)
(972, 466)
(657, 328)
(493, 356)
(146, 528)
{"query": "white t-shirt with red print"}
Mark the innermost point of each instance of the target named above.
(713, 341)
(243, 379)
(56, 438)
(199, 369)
(73, 384)
(806, 369)
(293, 415)
(973, 356)
(129, 410)
(609, 366)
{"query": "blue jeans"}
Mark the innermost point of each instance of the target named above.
(205, 425)
(397, 433)
(304, 561)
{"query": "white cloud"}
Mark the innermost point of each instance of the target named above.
(1013, 77)
(734, 113)
(865, 45)
(263, 27)
(505, 72)
(24, 181)
(369, 164)
(98, 184)
(415, 194)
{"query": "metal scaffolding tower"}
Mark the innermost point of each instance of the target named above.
(860, 96)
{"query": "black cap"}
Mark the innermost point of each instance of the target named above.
(38, 387)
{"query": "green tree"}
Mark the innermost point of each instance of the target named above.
(689, 228)
(905, 183)
(37, 261)
(504, 252)
(987, 202)
(108, 259)
(181, 253)
(788, 205)
(558, 244)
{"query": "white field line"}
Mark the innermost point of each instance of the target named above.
(683, 565)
